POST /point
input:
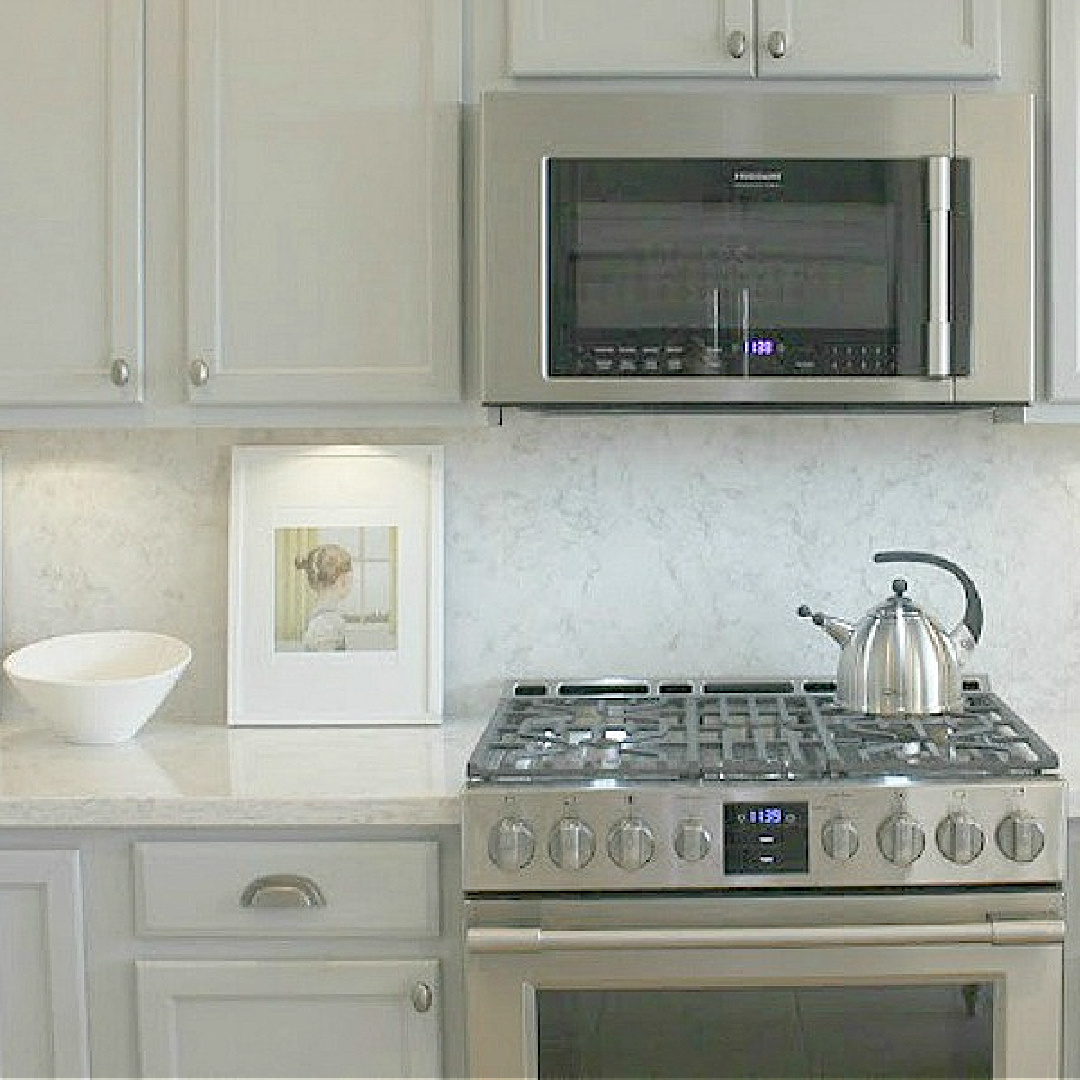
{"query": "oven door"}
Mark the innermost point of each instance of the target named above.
(883, 986)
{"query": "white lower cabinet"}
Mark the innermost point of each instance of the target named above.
(319, 1010)
(233, 1018)
(286, 957)
(43, 1020)
(231, 952)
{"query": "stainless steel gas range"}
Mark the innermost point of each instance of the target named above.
(741, 858)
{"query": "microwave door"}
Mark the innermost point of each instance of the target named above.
(750, 271)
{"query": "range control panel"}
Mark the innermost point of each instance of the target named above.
(539, 837)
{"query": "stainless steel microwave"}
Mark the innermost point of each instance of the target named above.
(751, 250)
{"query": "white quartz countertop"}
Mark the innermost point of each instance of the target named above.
(210, 774)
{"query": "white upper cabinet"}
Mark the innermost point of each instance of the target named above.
(71, 82)
(1064, 233)
(768, 38)
(648, 37)
(323, 211)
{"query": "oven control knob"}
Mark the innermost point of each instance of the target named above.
(901, 839)
(692, 840)
(840, 838)
(572, 844)
(1020, 837)
(630, 844)
(960, 838)
(511, 844)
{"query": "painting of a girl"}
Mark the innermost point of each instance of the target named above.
(329, 573)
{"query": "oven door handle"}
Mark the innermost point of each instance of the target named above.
(1010, 931)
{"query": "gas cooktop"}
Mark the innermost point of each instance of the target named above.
(613, 784)
(711, 730)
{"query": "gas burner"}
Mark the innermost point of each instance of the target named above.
(568, 736)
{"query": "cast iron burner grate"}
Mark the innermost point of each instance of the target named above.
(619, 730)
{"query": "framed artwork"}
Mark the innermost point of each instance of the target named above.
(335, 585)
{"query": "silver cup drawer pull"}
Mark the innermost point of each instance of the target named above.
(282, 891)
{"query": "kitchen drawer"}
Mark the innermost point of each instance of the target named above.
(270, 888)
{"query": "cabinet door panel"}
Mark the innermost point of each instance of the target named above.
(324, 200)
(804, 38)
(70, 219)
(648, 37)
(1064, 234)
(289, 1018)
(879, 38)
(43, 1028)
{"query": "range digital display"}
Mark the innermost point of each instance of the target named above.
(766, 837)
(765, 815)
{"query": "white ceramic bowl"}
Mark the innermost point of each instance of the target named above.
(98, 687)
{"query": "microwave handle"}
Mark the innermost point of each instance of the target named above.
(1008, 931)
(939, 327)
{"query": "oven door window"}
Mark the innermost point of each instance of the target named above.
(678, 268)
(931, 1030)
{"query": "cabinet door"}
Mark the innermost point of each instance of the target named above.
(772, 38)
(289, 1018)
(648, 37)
(1063, 17)
(324, 201)
(70, 201)
(43, 1028)
(879, 38)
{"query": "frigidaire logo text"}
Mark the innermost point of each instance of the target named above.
(758, 176)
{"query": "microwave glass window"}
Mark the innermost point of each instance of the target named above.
(732, 268)
(941, 1030)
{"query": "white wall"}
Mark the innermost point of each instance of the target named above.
(641, 545)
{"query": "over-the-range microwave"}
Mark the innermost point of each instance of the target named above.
(748, 249)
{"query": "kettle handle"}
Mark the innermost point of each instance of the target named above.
(973, 610)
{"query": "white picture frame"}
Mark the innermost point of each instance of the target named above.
(335, 585)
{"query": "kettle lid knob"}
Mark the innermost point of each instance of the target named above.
(899, 586)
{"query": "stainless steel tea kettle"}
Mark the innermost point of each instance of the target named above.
(897, 660)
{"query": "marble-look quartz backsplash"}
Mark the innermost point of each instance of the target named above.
(590, 545)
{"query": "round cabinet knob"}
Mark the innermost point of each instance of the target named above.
(901, 839)
(736, 44)
(840, 838)
(120, 371)
(199, 371)
(511, 844)
(630, 844)
(777, 44)
(960, 838)
(1021, 838)
(572, 844)
(692, 840)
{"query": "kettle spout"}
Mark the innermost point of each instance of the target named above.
(838, 629)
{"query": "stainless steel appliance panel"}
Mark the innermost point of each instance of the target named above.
(520, 130)
(679, 954)
(849, 826)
